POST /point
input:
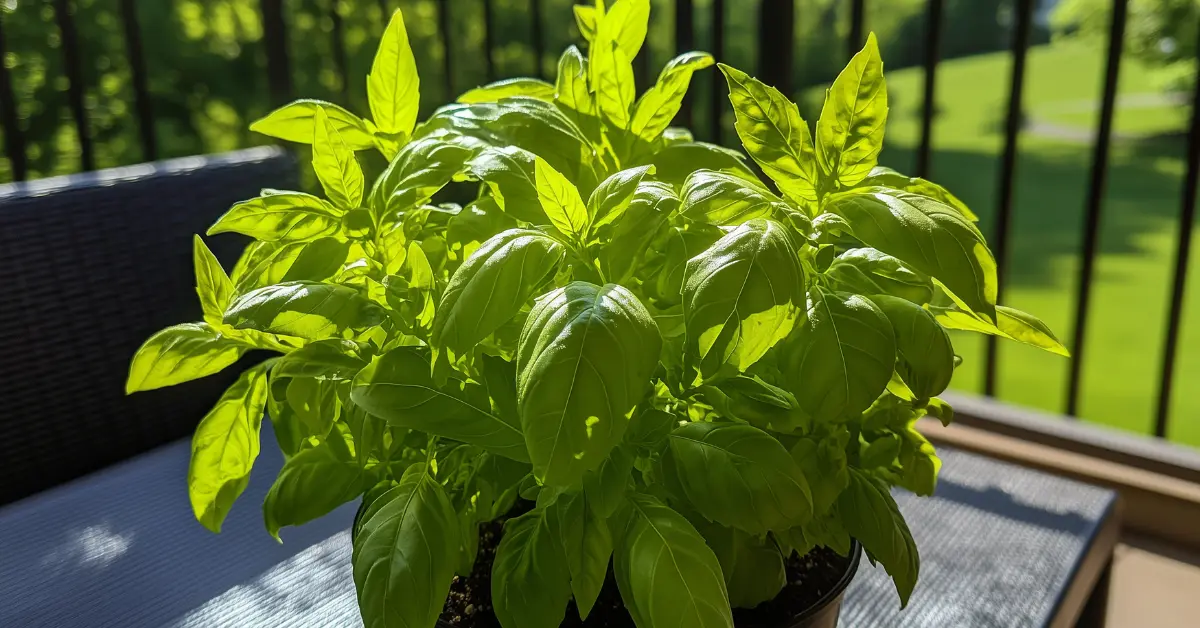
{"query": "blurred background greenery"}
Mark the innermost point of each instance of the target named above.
(207, 77)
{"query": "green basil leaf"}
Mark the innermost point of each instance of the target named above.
(886, 177)
(280, 217)
(756, 573)
(180, 354)
(333, 358)
(584, 360)
(393, 87)
(648, 213)
(871, 516)
(841, 358)
(926, 356)
(606, 486)
(560, 200)
(919, 462)
(212, 284)
(313, 311)
(572, 94)
(310, 485)
(682, 245)
(850, 130)
(756, 402)
(492, 286)
(405, 552)
(419, 170)
(224, 448)
(611, 198)
(586, 543)
(657, 107)
(738, 475)
(667, 574)
(289, 434)
(649, 428)
(586, 18)
(315, 404)
(613, 81)
(399, 388)
(531, 87)
(723, 199)
(868, 271)
(318, 260)
(932, 238)
(774, 135)
(1011, 323)
(509, 173)
(879, 453)
(474, 225)
(500, 378)
(675, 163)
(625, 23)
(741, 296)
(823, 462)
(294, 122)
(530, 579)
(335, 165)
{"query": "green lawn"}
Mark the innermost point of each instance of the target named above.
(1133, 274)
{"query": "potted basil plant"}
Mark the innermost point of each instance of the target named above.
(630, 383)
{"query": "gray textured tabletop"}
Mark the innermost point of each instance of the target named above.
(998, 544)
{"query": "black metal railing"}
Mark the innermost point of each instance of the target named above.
(775, 47)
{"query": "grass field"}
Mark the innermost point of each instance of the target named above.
(1139, 227)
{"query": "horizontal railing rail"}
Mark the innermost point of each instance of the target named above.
(775, 47)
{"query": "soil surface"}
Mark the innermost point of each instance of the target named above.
(809, 577)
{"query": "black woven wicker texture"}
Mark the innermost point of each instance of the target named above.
(90, 266)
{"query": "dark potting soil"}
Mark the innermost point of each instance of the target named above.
(809, 577)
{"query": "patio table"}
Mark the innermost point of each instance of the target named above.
(1000, 546)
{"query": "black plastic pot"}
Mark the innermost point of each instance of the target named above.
(824, 614)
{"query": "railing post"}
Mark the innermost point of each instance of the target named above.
(933, 41)
(1183, 248)
(141, 93)
(685, 39)
(857, 16)
(718, 97)
(1095, 199)
(64, 15)
(1008, 169)
(535, 33)
(338, 41)
(279, 71)
(776, 44)
(443, 19)
(14, 137)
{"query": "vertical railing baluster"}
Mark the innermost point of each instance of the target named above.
(1008, 171)
(443, 19)
(717, 82)
(279, 70)
(685, 39)
(539, 42)
(857, 17)
(1183, 248)
(777, 44)
(137, 67)
(385, 11)
(1095, 199)
(14, 137)
(338, 41)
(489, 61)
(74, 69)
(933, 42)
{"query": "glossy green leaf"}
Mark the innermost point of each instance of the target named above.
(612, 81)
(925, 354)
(1011, 323)
(336, 167)
(773, 134)
(310, 485)
(738, 475)
(419, 170)
(474, 225)
(587, 545)
(509, 174)
(584, 360)
(399, 388)
(317, 260)
(841, 358)
(823, 462)
(625, 23)
(646, 215)
(886, 177)
(723, 199)
(682, 244)
(850, 130)
(180, 354)
(667, 575)
(531, 87)
(611, 198)
(560, 200)
(753, 567)
(280, 217)
(756, 402)
(741, 296)
(871, 516)
(675, 163)
(880, 452)
(294, 122)
(656, 108)
(530, 578)
(333, 358)
(492, 286)
(212, 284)
(606, 486)
(224, 448)
(932, 238)
(572, 93)
(393, 87)
(586, 18)
(867, 271)
(308, 310)
(919, 462)
(405, 552)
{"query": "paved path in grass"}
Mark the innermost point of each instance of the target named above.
(1042, 127)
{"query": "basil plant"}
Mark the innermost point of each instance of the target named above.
(628, 347)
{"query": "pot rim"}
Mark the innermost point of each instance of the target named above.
(838, 589)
